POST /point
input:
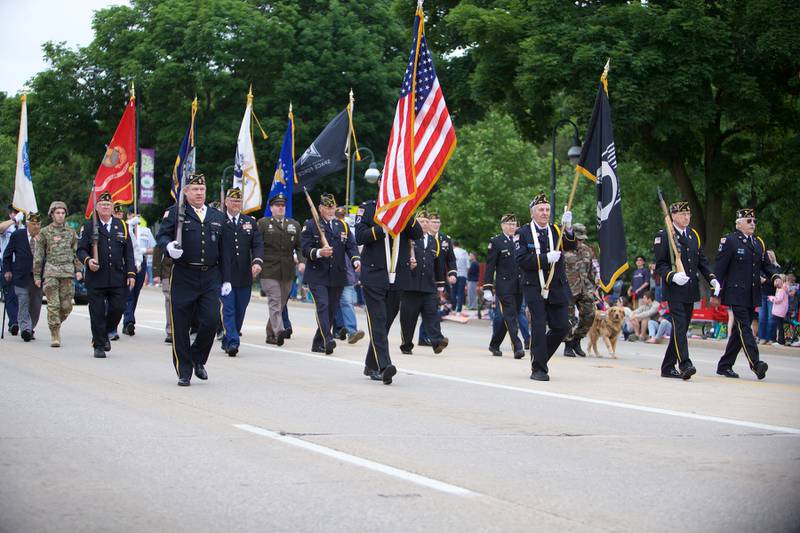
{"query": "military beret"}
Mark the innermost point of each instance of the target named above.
(539, 199)
(234, 193)
(279, 198)
(104, 196)
(680, 207)
(746, 212)
(57, 205)
(510, 218)
(33, 217)
(195, 179)
(579, 230)
(327, 199)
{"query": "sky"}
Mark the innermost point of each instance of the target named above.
(27, 24)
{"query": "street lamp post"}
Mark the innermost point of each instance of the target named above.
(573, 154)
(222, 186)
(372, 175)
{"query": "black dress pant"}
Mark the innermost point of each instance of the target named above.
(106, 305)
(740, 338)
(417, 303)
(194, 298)
(382, 307)
(678, 347)
(509, 308)
(545, 315)
(326, 299)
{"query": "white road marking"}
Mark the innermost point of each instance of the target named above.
(558, 395)
(358, 461)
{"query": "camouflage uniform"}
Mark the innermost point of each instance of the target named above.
(578, 265)
(54, 262)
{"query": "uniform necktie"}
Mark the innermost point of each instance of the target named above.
(199, 212)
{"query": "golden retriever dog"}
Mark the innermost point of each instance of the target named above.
(608, 326)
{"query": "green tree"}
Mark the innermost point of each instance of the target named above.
(707, 91)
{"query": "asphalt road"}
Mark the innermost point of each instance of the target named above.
(287, 440)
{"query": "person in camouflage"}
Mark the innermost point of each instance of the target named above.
(581, 282)
(54, 266)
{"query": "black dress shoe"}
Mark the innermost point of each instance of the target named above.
(369, 372)
(26, 335)
(200, 371)
(688, 372)
(129, 329)
(184, 382)
(407, 351)
(528, 343)
(271, 340)
(168, 339)
(317, 349)
(425, 342)
(673, 373)
(279, 338)
(495, 352)
(233, 351)
(728, 373)
(342, 334)
(441, 345)
(329, 347)
(99, 353)
(540, 375)
(576, 347)
(113, 336)
(287, 333)
(387, 374)
(519, 354)
(107, 346)
(761, 369)
(13, 329)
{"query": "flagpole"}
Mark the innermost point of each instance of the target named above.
(349, 152)
(138, 166)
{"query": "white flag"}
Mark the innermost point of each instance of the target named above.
(245, 173)
(24, 197)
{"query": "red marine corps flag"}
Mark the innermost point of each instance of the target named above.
(422, 138)
(118, 166)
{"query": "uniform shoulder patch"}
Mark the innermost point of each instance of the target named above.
(166, 214)
(657, 240)
(722, 240)
(490, 245)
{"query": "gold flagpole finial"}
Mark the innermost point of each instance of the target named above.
(604, 75)
(194, 104)
(419, 5)
(250, 95)
(133, 90)
(290, 108)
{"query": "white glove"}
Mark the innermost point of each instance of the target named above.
(566, 219)
(174, 251)
(716, 286)
(553, 257)
(680, 278)
(18, 217)
(133, 221)
(226, 288)
(488, 296)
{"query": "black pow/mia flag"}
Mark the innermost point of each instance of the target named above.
(326, 155)
(598, 162)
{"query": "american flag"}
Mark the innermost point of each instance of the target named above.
(422, 138)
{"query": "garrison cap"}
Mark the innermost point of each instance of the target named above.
(327, 200)
(510, 218)
(234, 193)
(195, 179)
(104, 196)
(746, 212)
(539, 199)
(33, 217)
(680, 207)
(118, 207)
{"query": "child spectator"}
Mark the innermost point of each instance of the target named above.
(780, 305)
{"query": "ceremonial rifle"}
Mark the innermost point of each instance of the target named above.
(315, 215)
(675, 255)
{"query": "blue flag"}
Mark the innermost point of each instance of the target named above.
(283, 181)
(185, 162)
